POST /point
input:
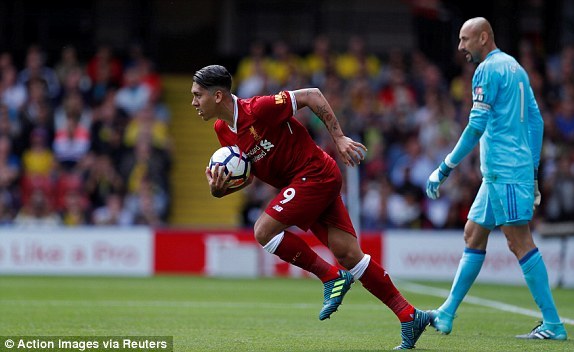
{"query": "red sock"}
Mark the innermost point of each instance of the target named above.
(294, 250)
(379, 284)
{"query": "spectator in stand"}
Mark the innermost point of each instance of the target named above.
(37, 95)
(12, 93)
(68, 62)
(283, 63)
(43, 120)
(6, 60)
(259, 82)
(397, 59)
(134, 95)
(565, 120)
(10, 126)
(74, 212)
(37, 212)
(145, 124)
(7, 209)
(356, 61)
(398, 99)
(461, 84)
(252, 65)
(103, 85)
(160, 109)
(38, 159)
(76, 82)
(9, 164)
(105, 64)
(107, 129)
(73, 105)
(72, 141)
(72, 75)
(372, 206)
(559, 187)
(113, 212)
(102, 179)
(436, 124)
(9, 174)
(149, 75)
(144, 161)
(320, 61)
(149, 203)
(36, 69)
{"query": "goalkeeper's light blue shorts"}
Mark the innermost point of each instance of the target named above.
(499, 204)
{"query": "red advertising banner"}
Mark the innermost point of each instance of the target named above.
(234, 253)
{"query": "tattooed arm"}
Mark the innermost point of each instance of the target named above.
(350, 151)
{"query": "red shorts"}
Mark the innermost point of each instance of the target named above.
(312, 203)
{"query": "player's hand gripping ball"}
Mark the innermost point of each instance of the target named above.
(235, 162)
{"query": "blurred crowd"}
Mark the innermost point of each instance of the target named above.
(83, 142)
(409, 113)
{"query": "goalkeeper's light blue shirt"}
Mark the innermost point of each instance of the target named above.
(505, 109)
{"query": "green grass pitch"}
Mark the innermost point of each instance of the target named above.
(207, 314)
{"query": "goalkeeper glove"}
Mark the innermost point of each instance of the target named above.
(537, 195)
(436, 179)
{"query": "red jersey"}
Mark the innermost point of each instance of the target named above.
(279, 146)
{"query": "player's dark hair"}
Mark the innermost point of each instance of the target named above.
(213, 76)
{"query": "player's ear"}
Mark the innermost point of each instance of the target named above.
(483, 38)
(218, 96)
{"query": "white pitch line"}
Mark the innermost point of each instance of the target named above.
(439, 292)
(404, 285)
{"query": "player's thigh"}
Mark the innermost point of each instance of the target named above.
(302, 203)
(481, 211)
(512, 204)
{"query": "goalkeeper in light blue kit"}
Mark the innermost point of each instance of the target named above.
(506, 120)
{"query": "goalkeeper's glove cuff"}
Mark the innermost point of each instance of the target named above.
(444, 169)
(536, 173)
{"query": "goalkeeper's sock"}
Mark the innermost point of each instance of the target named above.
(293, 250)
(468, 269)
(536, 277)
(378, 282)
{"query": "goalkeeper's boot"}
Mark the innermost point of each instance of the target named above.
(412, 330)
(334, 292)
(441, 321)
(546, 331)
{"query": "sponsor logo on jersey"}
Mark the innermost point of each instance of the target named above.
(260, 150)
(254, 133)
(480, 106)
(281, 98)
(478, 94)
(266, 145)
(278, 208)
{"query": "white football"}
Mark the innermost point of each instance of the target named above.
(235, 162)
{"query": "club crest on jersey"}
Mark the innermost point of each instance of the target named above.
(281, 98)
(254, 133)
(478, 94)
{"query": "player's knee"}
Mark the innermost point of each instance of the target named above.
(347, 257)
(261, 236)
(513, 247)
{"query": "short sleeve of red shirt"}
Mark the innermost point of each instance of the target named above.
(280, 107)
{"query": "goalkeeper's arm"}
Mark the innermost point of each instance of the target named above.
(467, 141)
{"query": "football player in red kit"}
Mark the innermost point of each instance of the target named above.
(284, 155)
